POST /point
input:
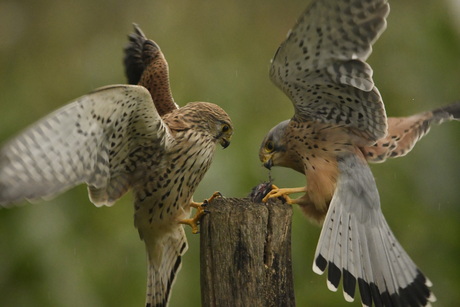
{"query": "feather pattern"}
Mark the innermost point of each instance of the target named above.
(321, 66)
(163, 268)
(125, 137)
(146, 65)
(371, 256)
(92, 140)
(339, 125)
(405, 132)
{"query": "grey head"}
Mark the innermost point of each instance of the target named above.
(273, 148)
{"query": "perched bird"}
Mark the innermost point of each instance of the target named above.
(120, 138)
(338, 127)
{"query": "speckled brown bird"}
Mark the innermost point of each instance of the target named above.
(338, 127)
(115, 139)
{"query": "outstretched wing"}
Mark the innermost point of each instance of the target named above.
(405, 132)
(358, 246)
(321, 66)
(93, 140)
(146, 65)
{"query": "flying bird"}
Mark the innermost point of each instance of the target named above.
(119, 138)
(339, 126)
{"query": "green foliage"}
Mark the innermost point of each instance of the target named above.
(66, 252)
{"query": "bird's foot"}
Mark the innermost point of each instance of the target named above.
(195, 220)
(206, 201)
(277, 192)
(200, 211)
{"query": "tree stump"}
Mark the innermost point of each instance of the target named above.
(245, 251)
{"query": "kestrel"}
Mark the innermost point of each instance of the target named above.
(338, 127)
(116, 139)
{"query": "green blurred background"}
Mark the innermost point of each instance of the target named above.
(66, 252)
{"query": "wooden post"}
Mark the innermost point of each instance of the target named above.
(246, 254)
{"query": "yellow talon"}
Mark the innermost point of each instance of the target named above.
(277, 192)
(200, 211)
(194, 221)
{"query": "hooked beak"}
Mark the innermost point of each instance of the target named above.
(224, 142)
(268, 162)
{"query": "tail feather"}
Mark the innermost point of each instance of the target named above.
(165, 259)
(357, 245)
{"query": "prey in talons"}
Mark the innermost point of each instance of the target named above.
(284, 193)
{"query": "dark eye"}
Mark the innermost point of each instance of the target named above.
(269, 146)
(225, 128)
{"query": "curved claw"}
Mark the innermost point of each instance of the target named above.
(213, 196)
(206, 201)
(277, 192)
(195, 220)
(200, 211)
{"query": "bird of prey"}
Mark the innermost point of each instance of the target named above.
(338, 127)
(119, 138)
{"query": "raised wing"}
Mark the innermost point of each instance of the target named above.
(96, 139)
(321, 65)
(134, 61)
(358, 246)
(146, 65)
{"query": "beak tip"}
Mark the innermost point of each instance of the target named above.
(225, 143)
(268, 164)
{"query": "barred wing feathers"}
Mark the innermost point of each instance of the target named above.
(91, 140)
(321, 66)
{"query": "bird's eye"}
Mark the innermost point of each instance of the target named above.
(269, 146)
(225, 128)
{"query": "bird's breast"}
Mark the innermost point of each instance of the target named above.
(163, 194)
(318, 146)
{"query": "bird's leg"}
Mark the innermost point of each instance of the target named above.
(277, 192)
(200, 211)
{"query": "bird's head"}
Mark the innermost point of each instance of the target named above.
(212, 120)
(225, 133)
(273, 149)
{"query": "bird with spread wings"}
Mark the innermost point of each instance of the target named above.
(339, 126)
(120, 138)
